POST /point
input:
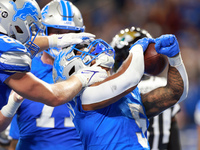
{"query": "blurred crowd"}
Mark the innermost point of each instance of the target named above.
(105, 18)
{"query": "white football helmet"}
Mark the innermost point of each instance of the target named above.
(61, 14)
(73, 58)
(20, 19)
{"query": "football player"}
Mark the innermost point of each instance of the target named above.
(50, 127)
(21, 23)
(163, 132)
(112, 114)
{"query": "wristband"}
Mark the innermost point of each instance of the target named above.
(175, 61)
(52, 41)
(82, 79)
(10, 109)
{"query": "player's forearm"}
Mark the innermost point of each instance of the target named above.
(176, 89)
(42, 42)
(162, 98)
(54, 94)
(4, 122)
(66, 90)
(9, 110)
(118, 85)
(40, 91)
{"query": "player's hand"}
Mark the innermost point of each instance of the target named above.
(65, 40)
(17, 98)
(167, 45)
(91, 75)
(14, 101)
(144, 42)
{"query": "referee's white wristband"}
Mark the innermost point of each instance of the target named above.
(10, 109)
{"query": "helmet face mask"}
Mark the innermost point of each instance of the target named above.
(92, 51)
(73, 58)
(63, 16)
(36, 30)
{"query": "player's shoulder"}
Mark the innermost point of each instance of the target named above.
(9, 44)
(13, 55)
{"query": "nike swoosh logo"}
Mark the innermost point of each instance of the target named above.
(89, 72)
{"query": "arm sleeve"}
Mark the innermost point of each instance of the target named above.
(177, 62)
(118, 85)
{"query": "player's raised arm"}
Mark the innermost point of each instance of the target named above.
(176, 89)
(119, 84)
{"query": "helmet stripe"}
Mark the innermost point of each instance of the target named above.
(66, 10)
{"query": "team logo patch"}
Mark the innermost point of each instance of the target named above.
(27, 10)
(45, 12)
(60, 69)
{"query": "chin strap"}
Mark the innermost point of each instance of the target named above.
(177, 62)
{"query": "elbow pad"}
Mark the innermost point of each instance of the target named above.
(118, 85)
(177, 62)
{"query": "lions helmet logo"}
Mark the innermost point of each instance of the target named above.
(27, 10)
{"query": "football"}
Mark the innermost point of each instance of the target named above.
(154, 63)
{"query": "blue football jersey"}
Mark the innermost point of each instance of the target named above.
(44, 127)
(14, 57)
(121, 125)
(14, 130)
